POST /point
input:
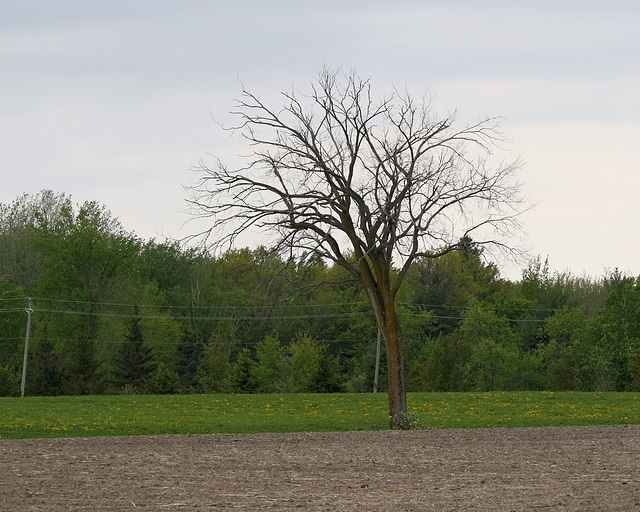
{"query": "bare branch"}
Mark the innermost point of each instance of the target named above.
(385, 181)
(365, 184)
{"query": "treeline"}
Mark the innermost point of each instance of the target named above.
(112, 313)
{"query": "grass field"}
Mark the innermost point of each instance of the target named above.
(86, 416)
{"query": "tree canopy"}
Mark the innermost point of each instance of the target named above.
(236, 322)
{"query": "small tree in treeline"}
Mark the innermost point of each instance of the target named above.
(133, 361)
(307, 368)
(188, 354)
(242, 373)
(268, 371)
(162, 381)
(45, 375)
(214, 369)
(81, 366)
(493, 349)
(9, 381)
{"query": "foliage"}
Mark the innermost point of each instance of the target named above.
(214, 368)
(44, 372)
(406, 421)
(565, 334)
(9, 382)
(440, 365)
(12, 319)
(268, 372)
(493, 354)
(188, 352)
(309, 369)
(250, 320)
(620, 340)
(162, 381)
(81, 376)
(445, 285)
(242, 373)
(133, 359)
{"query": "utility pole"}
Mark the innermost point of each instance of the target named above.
(29, 310)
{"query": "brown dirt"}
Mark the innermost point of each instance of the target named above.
(559, 469)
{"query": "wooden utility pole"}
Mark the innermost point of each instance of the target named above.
(29, 310)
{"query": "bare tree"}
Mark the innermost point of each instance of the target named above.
(369, 185)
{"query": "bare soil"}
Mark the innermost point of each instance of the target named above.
(559, 469)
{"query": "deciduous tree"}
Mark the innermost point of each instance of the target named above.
(367, 184)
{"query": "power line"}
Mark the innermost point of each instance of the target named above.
(193, 307)
(211, 318)
(255, 317)
(307, 305)
(264, 318)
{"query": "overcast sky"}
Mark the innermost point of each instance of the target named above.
(115, 100)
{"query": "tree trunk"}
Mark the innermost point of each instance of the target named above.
(397, 388)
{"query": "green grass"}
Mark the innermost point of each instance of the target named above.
(85, 416)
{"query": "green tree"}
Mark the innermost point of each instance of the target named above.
(162, 336)
(242, 373)
(309, 369)
(170, 269)
(22, 224)
(133, 361)
(563, 351)
(634, 370)
(44, 374)
(188, 354)
(12, 320)
(9, 381)
(268, 371)
(81, 375)
(162, 381)
(493, 349)
(326, 377)
(620, 324)
(445, 285)
(214, 368)
(440, 365)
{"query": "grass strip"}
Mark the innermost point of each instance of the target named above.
(87, 416)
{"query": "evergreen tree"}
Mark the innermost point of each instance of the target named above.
(9, 381)
(268, 371)
(188, 354)
(326, 377)
(81, 368)
(133, 359)
(44, 377)
(214, 368)
(162, 381)
(440, 365)
(308, 368)
(242, 373)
